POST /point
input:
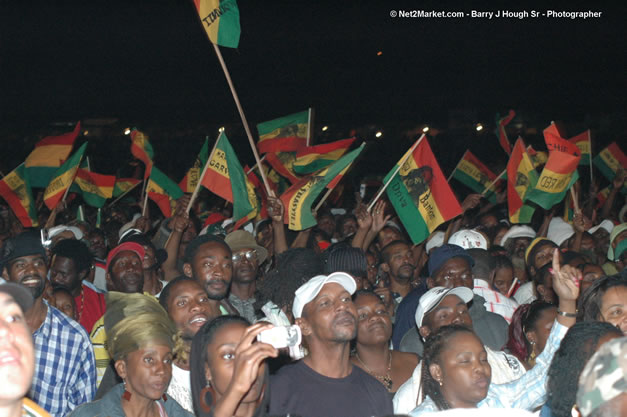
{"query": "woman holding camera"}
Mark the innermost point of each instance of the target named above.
(228, 374)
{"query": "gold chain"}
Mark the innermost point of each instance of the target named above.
(386, 379)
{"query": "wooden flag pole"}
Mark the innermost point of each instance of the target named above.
(494, 182)
(145, 203)
(204, 171)
(243, 117)
(310, 126)
(123, 194)
(573, 195)
(255, 166)
(590, 157)
(398, 167)
(455, 169)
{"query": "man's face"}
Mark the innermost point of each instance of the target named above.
(456, 272)
(543, 256)
(520, 246)
(264, 237)
(126, 273)
(188, 307)
(602, 241)
(245, 266)
(349, 227)
(400, 262)
(331, 316)
(63, 272)
(29, 271)
(97, 245)
(326, 223)
(212, 267)
(489, 222)
(451, 310)
(17, 353)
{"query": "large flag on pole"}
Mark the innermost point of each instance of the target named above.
(226, 178)
(558, 175)
(63, 178)
(501, 133)
(313, 158)
(521, 177)
(220, 18)
(299, 198)
(15, 189)
(142, 150)
(610, 160)
(189, 182)
(48, 155)
(163, 191)
(471, 172)
(285, 134)
(420, 193)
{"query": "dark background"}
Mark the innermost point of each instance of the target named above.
(117, 64)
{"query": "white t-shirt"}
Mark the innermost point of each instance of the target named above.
(180, 388)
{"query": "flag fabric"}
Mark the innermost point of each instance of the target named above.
(63, 178)
(48, 155)
(603, 195)
(190, 180)
(263, 196)
(583, 141)
(313, 158)
(220, 19)
(420, 193)
(283, 164)
(226, 178)
(299, 198)
(285, 134)
(537, 157)
(471, 172)
(122, 185)
(521, 177)
(16, 191)
(555, 142)
(558, 175)
(502, 134)
(94, 188)
(142, 150)
(610, 160)
(163, 191)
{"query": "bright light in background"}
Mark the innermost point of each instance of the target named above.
(85, 133)
(221, 129)
(379, 53)
(127, 131)
(378, 134)
(325, 128)
(425, 129)
(479, 127)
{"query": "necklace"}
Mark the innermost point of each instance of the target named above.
(80, 312)
(386, 379)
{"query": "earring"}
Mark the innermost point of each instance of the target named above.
(532, 355)
(440, 382)
(126, 395)
(203, 397)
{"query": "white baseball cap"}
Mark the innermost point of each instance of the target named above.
(309, 290)
(518, 231)
(559, 231)
(435, 241)
(469, 239)
(432, 298)
(605, 224)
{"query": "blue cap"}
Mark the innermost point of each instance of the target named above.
(438, 256)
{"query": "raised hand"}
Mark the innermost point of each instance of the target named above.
(379, 218)
(471, 201)
(566, 279)
(364, 219)
(275, 209)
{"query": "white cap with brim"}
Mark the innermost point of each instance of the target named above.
(518, 231)
(309, 290)
(435, 241)
(432, 298)
(559, 231)
(469, 239)
(605, 224)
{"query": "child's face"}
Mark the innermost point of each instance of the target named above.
(503, 278)
(65, 303)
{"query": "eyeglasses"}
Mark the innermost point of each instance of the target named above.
(251, 255)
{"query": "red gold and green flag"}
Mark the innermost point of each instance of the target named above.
(94, 188)
(48, 155)
(537, 157)
(584, 143)
(521, 177)
(142, 150)
(190, 180)
(220, 19)
(63, 178)
(163, 191)
(283, 164)
(603, 195)
(313, 158)
(558, 175)
(555, 142)
(16, 191)
(285, 134)
(501, 133)
(610, 160)
(471, 172)
(299, 198)
(226, 178)
(420, 193)
(122, 185)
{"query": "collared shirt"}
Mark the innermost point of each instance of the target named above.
(244, 307)
(65, 372)
(528, 392)
(495, 301)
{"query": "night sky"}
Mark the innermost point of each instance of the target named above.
(150, 63)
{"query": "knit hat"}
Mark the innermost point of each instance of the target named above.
(615, 232)
(347, 259)
(533, 244)
(130, 246)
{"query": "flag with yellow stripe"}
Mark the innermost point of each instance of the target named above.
(142, 150)
(163, 191)
(220, 19)
(610, 160)
(285, 134)
(558, 175)
(313, 158)
(521, 177)
(95, 188)
(471, 172)
(16, 191)
(190, 181)
(63, 178)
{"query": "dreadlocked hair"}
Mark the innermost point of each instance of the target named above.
(524, 320)
(578, 345)
(435, 344)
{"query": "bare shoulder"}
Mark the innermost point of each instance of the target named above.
(405, 358)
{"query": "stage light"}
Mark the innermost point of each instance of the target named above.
(479, 127)
(378, 134)
(127, 131)
(325, 128)
(221, 129)
(85, 133)
(379, 53)
(425, 129)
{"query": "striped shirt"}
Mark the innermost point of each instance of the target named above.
(495, 301)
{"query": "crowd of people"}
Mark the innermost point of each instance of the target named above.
(149, 316)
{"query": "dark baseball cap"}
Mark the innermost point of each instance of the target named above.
(438, 256)
(20, 294)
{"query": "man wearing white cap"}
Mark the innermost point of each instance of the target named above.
(325, 383)
(516, 241)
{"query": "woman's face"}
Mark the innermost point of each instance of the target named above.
(614, 307)
(590, 274)
(542, 328)
(147, 371)
(374, 325)
(464, 371)
(221, 362)
(503, 278)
